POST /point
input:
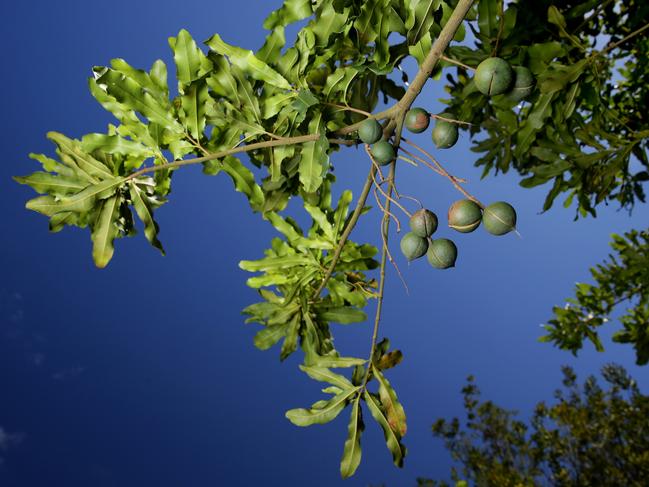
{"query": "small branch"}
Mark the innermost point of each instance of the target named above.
(436, 52)
(456, 62)
(348, 230)
(383, 210)
(451, 120)
(446, 174)
(623, 40)
(348, 108)
(218, 155)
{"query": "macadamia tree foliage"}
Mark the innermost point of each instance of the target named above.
(527, 83)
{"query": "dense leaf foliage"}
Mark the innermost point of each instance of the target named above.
(589, 437)
(291, 107)
(586, 123)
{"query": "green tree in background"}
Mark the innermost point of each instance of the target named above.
(563, 103)
(591, 436)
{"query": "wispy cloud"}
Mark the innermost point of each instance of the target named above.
(8, 440)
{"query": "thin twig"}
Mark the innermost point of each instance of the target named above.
(624, 39)
(456, 62)
(348, 108)
(451, 120)
(348, 230)
(445, 173)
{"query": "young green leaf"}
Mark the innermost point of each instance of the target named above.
(392, 437)
(325, 375)
(104, 231)
(144, 205)
(326, 412)
(248, 62)
(393, 408)
(352, 450)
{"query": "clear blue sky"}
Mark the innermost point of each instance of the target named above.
(144, 373)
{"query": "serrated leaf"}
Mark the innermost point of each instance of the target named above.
(274, 263)
(191, 62)
(144, 209)
(393, 408)
(290, 342)
(104, 231)
(115, 144)
(290, 11)
(352, 450)
(244, 181)
(132, 95)
(314, 162)
(71, 153)
(326, 412)
(321, 219)
(194, 106)
(392, 437)
(248, 62)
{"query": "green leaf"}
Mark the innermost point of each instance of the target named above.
(393, 408)
(343, 315)
(194, 106)
(72, 154)
(323, 374)
(132, 95)
(323, 414)
(58, 185)
(290, 343)
(144, 205)
(321, 219)
(291, 11)
(315, 160)
(248, 62)
(274, 263)
(392, 437)
(487, 18)
(115, 144)
(81, 202)
(352, 450)
(338, 362)
(191, 63)
(104, 231)
(244, 181)
(269, 336)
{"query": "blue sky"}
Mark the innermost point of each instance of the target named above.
(144, 373)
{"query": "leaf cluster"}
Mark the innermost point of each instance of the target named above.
(588, 436)
(585, 122)
(624, 278)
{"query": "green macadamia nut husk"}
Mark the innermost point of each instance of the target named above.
(412, 246)
(464, 216)
(423, 223)
(445, 134)
(417, 120)
(493, 76)
(383, 152)
(442, 253)
(370, 131)
(499, 218)
(522, 86)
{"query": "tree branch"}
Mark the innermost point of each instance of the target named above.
(348, 230)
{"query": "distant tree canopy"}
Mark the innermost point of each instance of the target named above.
(591, 436)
